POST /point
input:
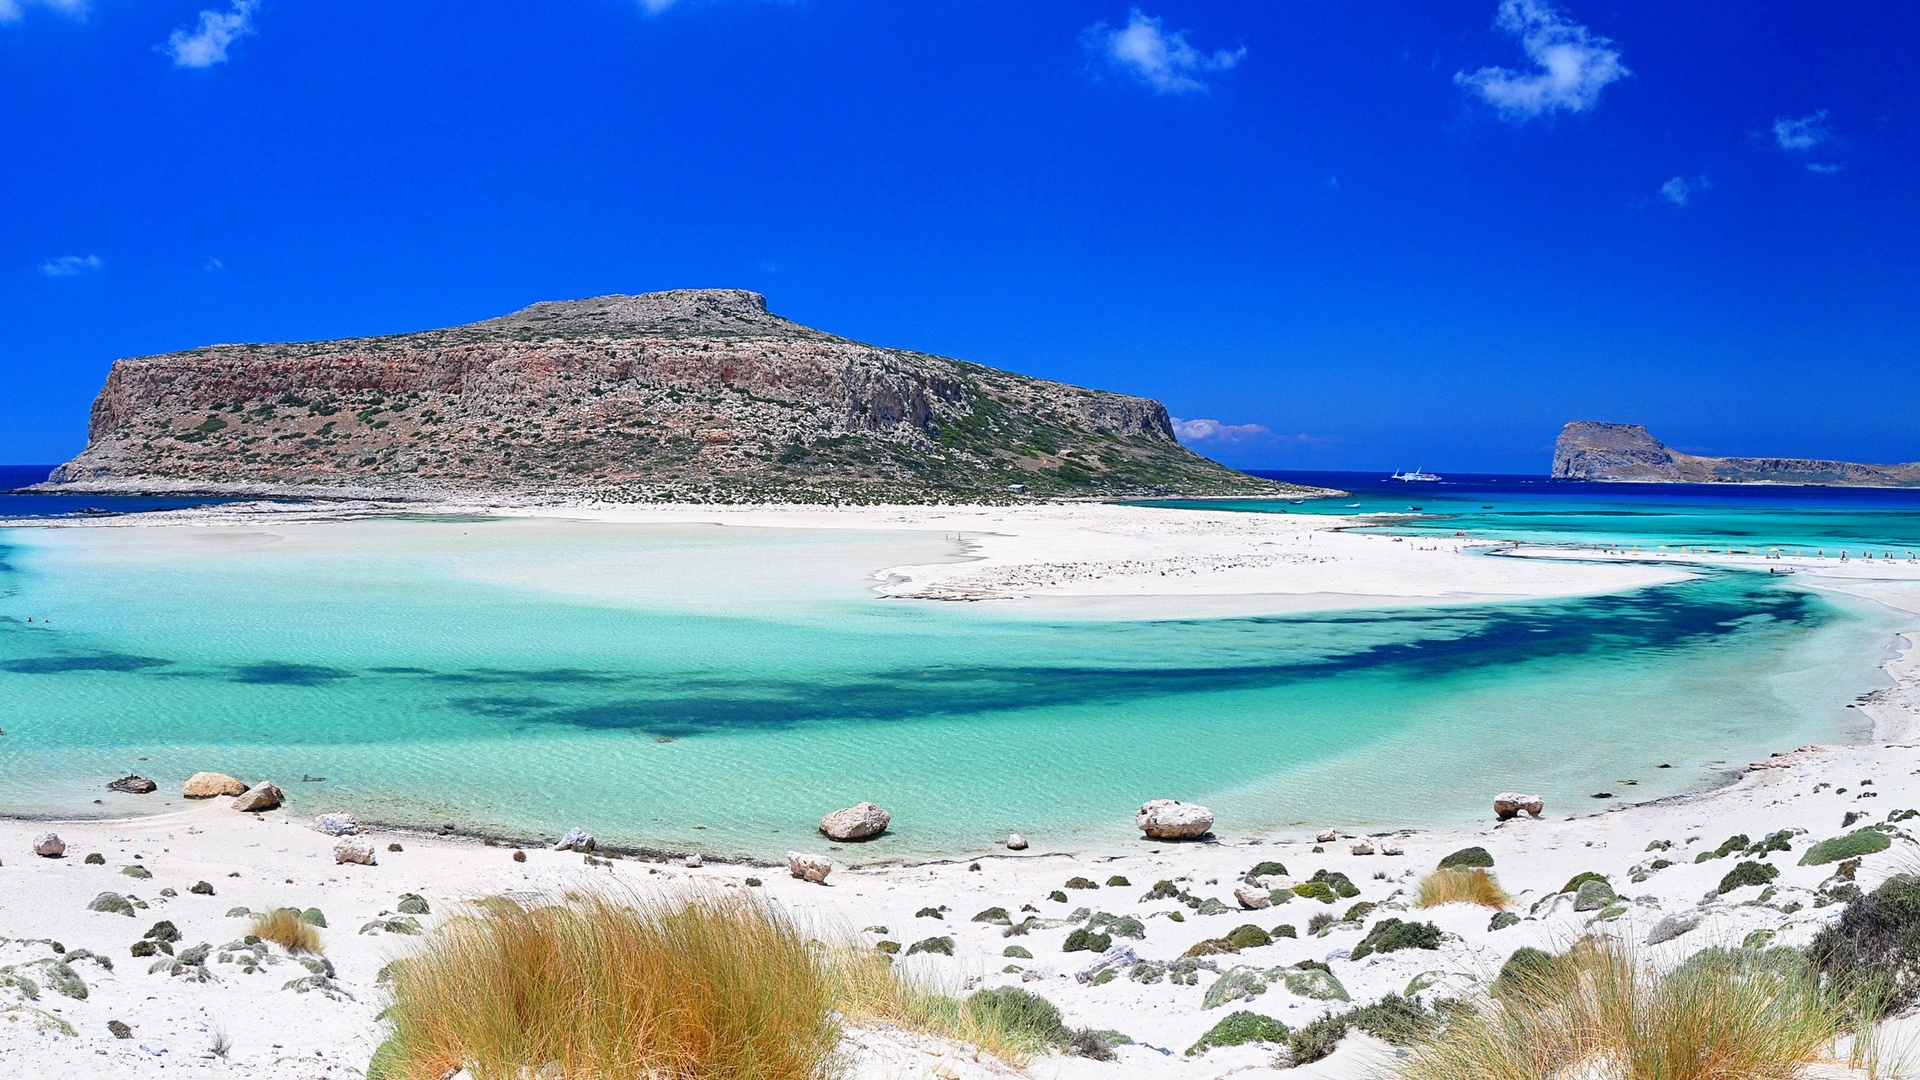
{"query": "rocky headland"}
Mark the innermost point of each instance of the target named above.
(697, 395)
(1595, 450)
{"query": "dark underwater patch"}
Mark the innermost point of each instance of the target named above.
(60, 665)
(278, 673)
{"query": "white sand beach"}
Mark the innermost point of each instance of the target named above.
(1127, 561)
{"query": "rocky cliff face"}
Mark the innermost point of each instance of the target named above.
(1593, 450)
(689, 394)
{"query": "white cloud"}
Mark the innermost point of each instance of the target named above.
(1164, 62)
(1824, 168)
(14, 10)
(69, 265)
(1214, 430)
(1801, 134)
(1679, 191)
(655, 7)
(1571, 64)
(213, 265)
(205, 44)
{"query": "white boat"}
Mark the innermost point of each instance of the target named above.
(1416, 477)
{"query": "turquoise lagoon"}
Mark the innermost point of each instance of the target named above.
(719, 689)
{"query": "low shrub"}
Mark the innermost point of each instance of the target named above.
(1084, 940)
(1264, 869)
(1873, 951)
(1395, 1019)
(1467, 858)
(1849, 846)
(285, 928)
(1319, 922)
(1461, 885)
(1162, 890)
(1745, 874)
(1392, 935)
(996, 915)
(1249, 936)
(1285, 930)
(1315, 890)
(1240, 1028)
(1082, 883)
(1118, 882)
(1727, 847)
(939, 946)
(1316, 1040)
(1573, 884)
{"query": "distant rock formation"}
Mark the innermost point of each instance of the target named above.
(696, 394)
(1593, 450)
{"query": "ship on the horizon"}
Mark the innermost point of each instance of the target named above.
(1416, 477)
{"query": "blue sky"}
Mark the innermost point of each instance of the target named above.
(1365, 234)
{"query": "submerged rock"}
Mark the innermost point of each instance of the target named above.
(806, 867)
(1169, 819)
(863, 821)
(260, 797)
(132, 784)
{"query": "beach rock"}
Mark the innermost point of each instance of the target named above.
(1510, 804)
(1326, 836)
(1391, 847)
(808, 867)
(1673, 926)
(1016, 842)
(133, 784)
(861, 822)
(119, 1030)
(205, 785)
(1168, 819)
(693, 862)
(112, 903)
(353, 850)
(338, 824)
(261, 797)
(1119, 956)
(576, 839)
(49, 846)
(1252, 897)
(1364, 847)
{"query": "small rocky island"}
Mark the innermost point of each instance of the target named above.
(1594, 450)
(693, 394)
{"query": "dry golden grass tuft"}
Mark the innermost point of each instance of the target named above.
(286, 929)
(871, 991)
(704, 987)
(1461, 885)
(1596, 1011)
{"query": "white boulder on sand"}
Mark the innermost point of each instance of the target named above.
(205, 785)
(1509, 804)
(808, 867)
(261, 796)
(353, 850)
(49, 846)
(1167, 819)
(1252, 897)
(861, 822)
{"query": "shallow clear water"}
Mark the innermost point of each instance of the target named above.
(720, 689)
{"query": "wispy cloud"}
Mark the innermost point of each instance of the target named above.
(205, 44)
(1214, 431)
(69, 265)
(1145, 52)
(1797, 135)
(655, 7)
(1571, 64)
(14, 10)
(1824, 168)
(1680, 191)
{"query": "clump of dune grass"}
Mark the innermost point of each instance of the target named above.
(616, 988)
(868, 989)
(1596, 1011)
(285, 928)
(1461, 885)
